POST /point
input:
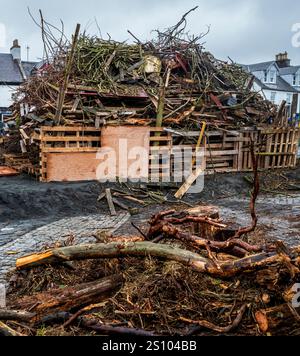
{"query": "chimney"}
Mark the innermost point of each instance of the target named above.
(16, 51)
(282, 60)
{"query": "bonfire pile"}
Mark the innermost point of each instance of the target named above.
(170, 81)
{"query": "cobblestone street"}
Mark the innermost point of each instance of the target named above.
(17, 240)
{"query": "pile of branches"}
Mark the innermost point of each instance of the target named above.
(133, 287)
(170, 78)
(170, 281)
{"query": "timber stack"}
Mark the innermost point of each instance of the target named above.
(169, 82)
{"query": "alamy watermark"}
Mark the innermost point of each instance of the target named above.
(296, 36)
(163, 165)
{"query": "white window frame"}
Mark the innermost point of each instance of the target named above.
(273, 96)
(296, 79)
(272, 76)
(289, 98)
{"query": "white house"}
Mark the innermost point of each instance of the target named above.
(13, 72)
(278, 80)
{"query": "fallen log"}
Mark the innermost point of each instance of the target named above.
(69, 298)
(166, 252)
(113, 250)
(15, 315)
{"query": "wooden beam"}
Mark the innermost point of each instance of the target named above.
(110, 202)
(187, 185)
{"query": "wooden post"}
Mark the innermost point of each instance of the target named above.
(62, 93)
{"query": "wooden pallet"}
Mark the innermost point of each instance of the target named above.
(279, 148)
(65, 139)
(225, 151)
(159, 155)
(21, 163)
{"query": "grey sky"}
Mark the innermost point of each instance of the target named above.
(246, 30)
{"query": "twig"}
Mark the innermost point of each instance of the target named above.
(222, 330)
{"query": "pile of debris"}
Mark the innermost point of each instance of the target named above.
(189, 274)
(170, 81)
(182, 285)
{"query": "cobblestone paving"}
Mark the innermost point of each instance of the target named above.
(34, 241)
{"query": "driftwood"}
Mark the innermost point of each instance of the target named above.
(69, 298)
(143, 249)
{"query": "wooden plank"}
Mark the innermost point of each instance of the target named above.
(24, 135)
(71, 139)
(7, 171)
(124, 140)
(277, 154)
(188, 183)
(282, 136)
(222, 153)
(72, 167)
(268, 149)
(219, 147)
(218, 165)
(69, 149)
(45, 129)
(160, 139)
(110, 202)
(275, 144)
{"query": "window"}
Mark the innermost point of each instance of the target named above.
(296, 80)
(273, 96)
(265, 76)
(289, 98)
(272, 76)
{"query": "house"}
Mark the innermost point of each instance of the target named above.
(278, 80)
(13, 72)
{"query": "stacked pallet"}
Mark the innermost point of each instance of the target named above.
(74, 153)
(20, 163)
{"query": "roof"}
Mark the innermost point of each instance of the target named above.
(280, 85)
(289, 70)
(10, 72)
(259, 66)
(28, 67)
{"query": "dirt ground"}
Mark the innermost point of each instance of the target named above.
(22, 199)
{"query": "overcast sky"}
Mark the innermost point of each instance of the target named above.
(246, 30)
